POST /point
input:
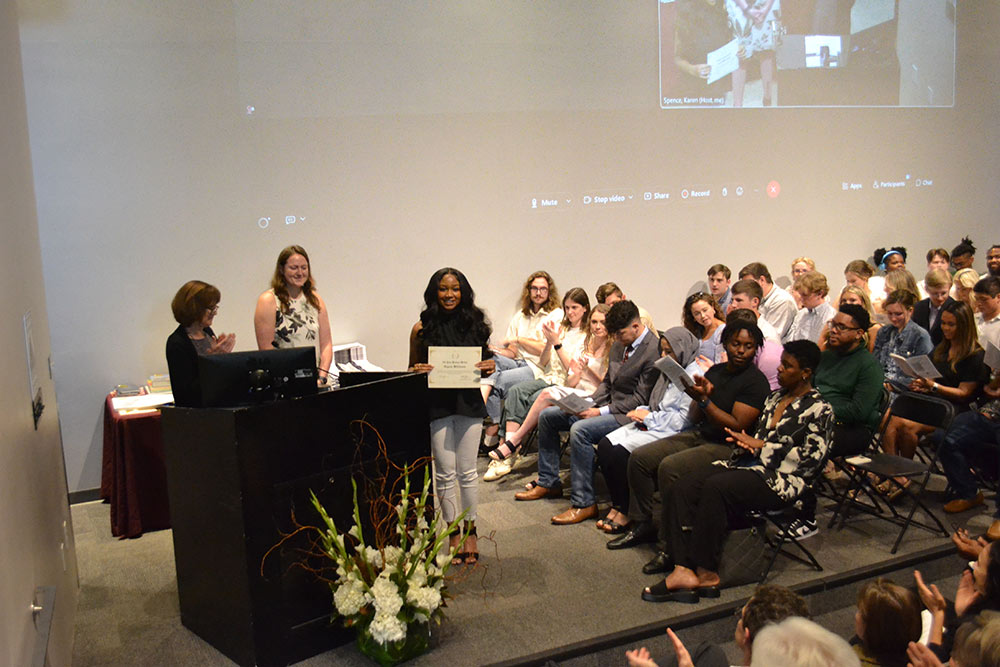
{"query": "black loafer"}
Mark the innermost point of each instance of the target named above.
(639, 533)
(661, 563)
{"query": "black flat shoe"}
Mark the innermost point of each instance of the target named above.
(659, 592)
(708, 591)
(639, 533)
(661, 563)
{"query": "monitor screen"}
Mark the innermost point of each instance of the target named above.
(248, 378)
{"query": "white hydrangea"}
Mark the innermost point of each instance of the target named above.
(424, 597)
(419, 576)
(392, 554)
(350, 597)
(385, 628)
(386, 595)
(373, 556)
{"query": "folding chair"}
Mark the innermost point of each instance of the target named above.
(782, 521)
(919, 408)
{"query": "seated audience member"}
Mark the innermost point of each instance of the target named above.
(768, 357)
(194, 307)
(892, 259)
(518, 357)
(962, 284)
(978, 591)
(850, 379)
(609, 293)
(812, 289)
(776, 305)
(859, 297)
(703, 317)
(963, 256)
(861, 274)
(719, 280)
(797, 642)
(993, 262)
(730, 395)
(563, 343)
(768, 604)
(973, 435)
(800, 267)
(937, 258)
(747, 294)
(977, 643)
(887, 620)
(902, 337)
(937, 285)
(666, 414)
(901, 279)
(959, 359)
(627, 385)
(765, 472)
(987, 296)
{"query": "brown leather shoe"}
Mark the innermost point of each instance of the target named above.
(537, 492)
(575, 515)
(963, 504)
(993, 534)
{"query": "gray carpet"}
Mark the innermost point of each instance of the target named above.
(538, 588)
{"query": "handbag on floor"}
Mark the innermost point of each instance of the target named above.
(744, 556)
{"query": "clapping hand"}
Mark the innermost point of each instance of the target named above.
(921, 656)
(222, 344)
(741, 439)
(966, 594)
(929, 595)
(701, 390)
(550, 330)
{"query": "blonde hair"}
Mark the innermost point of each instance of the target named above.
(804, 260)
(813, 282)
(901, 279)
(937, 278)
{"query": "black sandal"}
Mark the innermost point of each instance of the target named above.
(659, 592)
(471, 557)
(612, 528)
(498, 454)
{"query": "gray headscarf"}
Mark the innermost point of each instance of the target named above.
(684, 344)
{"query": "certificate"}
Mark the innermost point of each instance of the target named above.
(454, 367)
(723, 61)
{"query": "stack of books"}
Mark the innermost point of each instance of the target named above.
(158, 383)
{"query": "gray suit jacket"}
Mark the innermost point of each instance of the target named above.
(628, 384)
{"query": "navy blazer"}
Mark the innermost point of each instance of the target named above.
(922, 316)
(628, 384)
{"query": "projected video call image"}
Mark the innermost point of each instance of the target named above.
(794, 53)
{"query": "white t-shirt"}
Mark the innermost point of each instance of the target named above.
(530, 326)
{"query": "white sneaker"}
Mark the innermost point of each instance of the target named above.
(498, 469)
(803, 528)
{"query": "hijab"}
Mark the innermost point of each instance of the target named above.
(684, 344)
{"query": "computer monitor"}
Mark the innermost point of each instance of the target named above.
(249, 378)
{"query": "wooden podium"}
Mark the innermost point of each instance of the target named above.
(234, 478)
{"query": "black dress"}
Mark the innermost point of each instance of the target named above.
(450, 332)
(182, 364)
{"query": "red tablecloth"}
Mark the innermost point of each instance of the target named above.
(133, 472)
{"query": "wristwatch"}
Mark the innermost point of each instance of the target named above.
(557, 346)
(703, 404)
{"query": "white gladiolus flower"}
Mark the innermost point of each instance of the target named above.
(353, 532)
(385, 628)
(373, 556)
(443, 557)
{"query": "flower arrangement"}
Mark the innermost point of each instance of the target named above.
(389, 592)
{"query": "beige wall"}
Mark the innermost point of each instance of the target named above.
(35, 548)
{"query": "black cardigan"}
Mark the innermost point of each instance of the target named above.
(182, 364)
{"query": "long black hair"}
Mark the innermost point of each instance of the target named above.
(469, 316)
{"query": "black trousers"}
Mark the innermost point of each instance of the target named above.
(613, 461)
(704, 503)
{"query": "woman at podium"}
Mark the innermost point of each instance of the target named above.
(194, 306)
(450, 318)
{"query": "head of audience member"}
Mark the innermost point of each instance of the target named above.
(741, 340)
(857, 272)
(937, 284)
(963, 255)
(609, 293)
(887, 620)
(892, 259)
(959, 337)
(987, 296)
(899, 308)
(195, 304)
(576, 309)
(623, 322)
(799, 361)
(747, 293)
(292, 275)
(802, 266)
(962, 283)
(812, 288)
(986, 577)
(768, 604)
(758, 272)
(597, 330)
(848, 328)
(977, 642)
(701, 314)
(539, 293)
(857, 296)
(993, 261)
(938, 258)
(798, 642)
(680, 344)
(901, 279)
(449, 294)
(719, 280)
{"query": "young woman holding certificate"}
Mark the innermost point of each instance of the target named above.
(450, 318)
